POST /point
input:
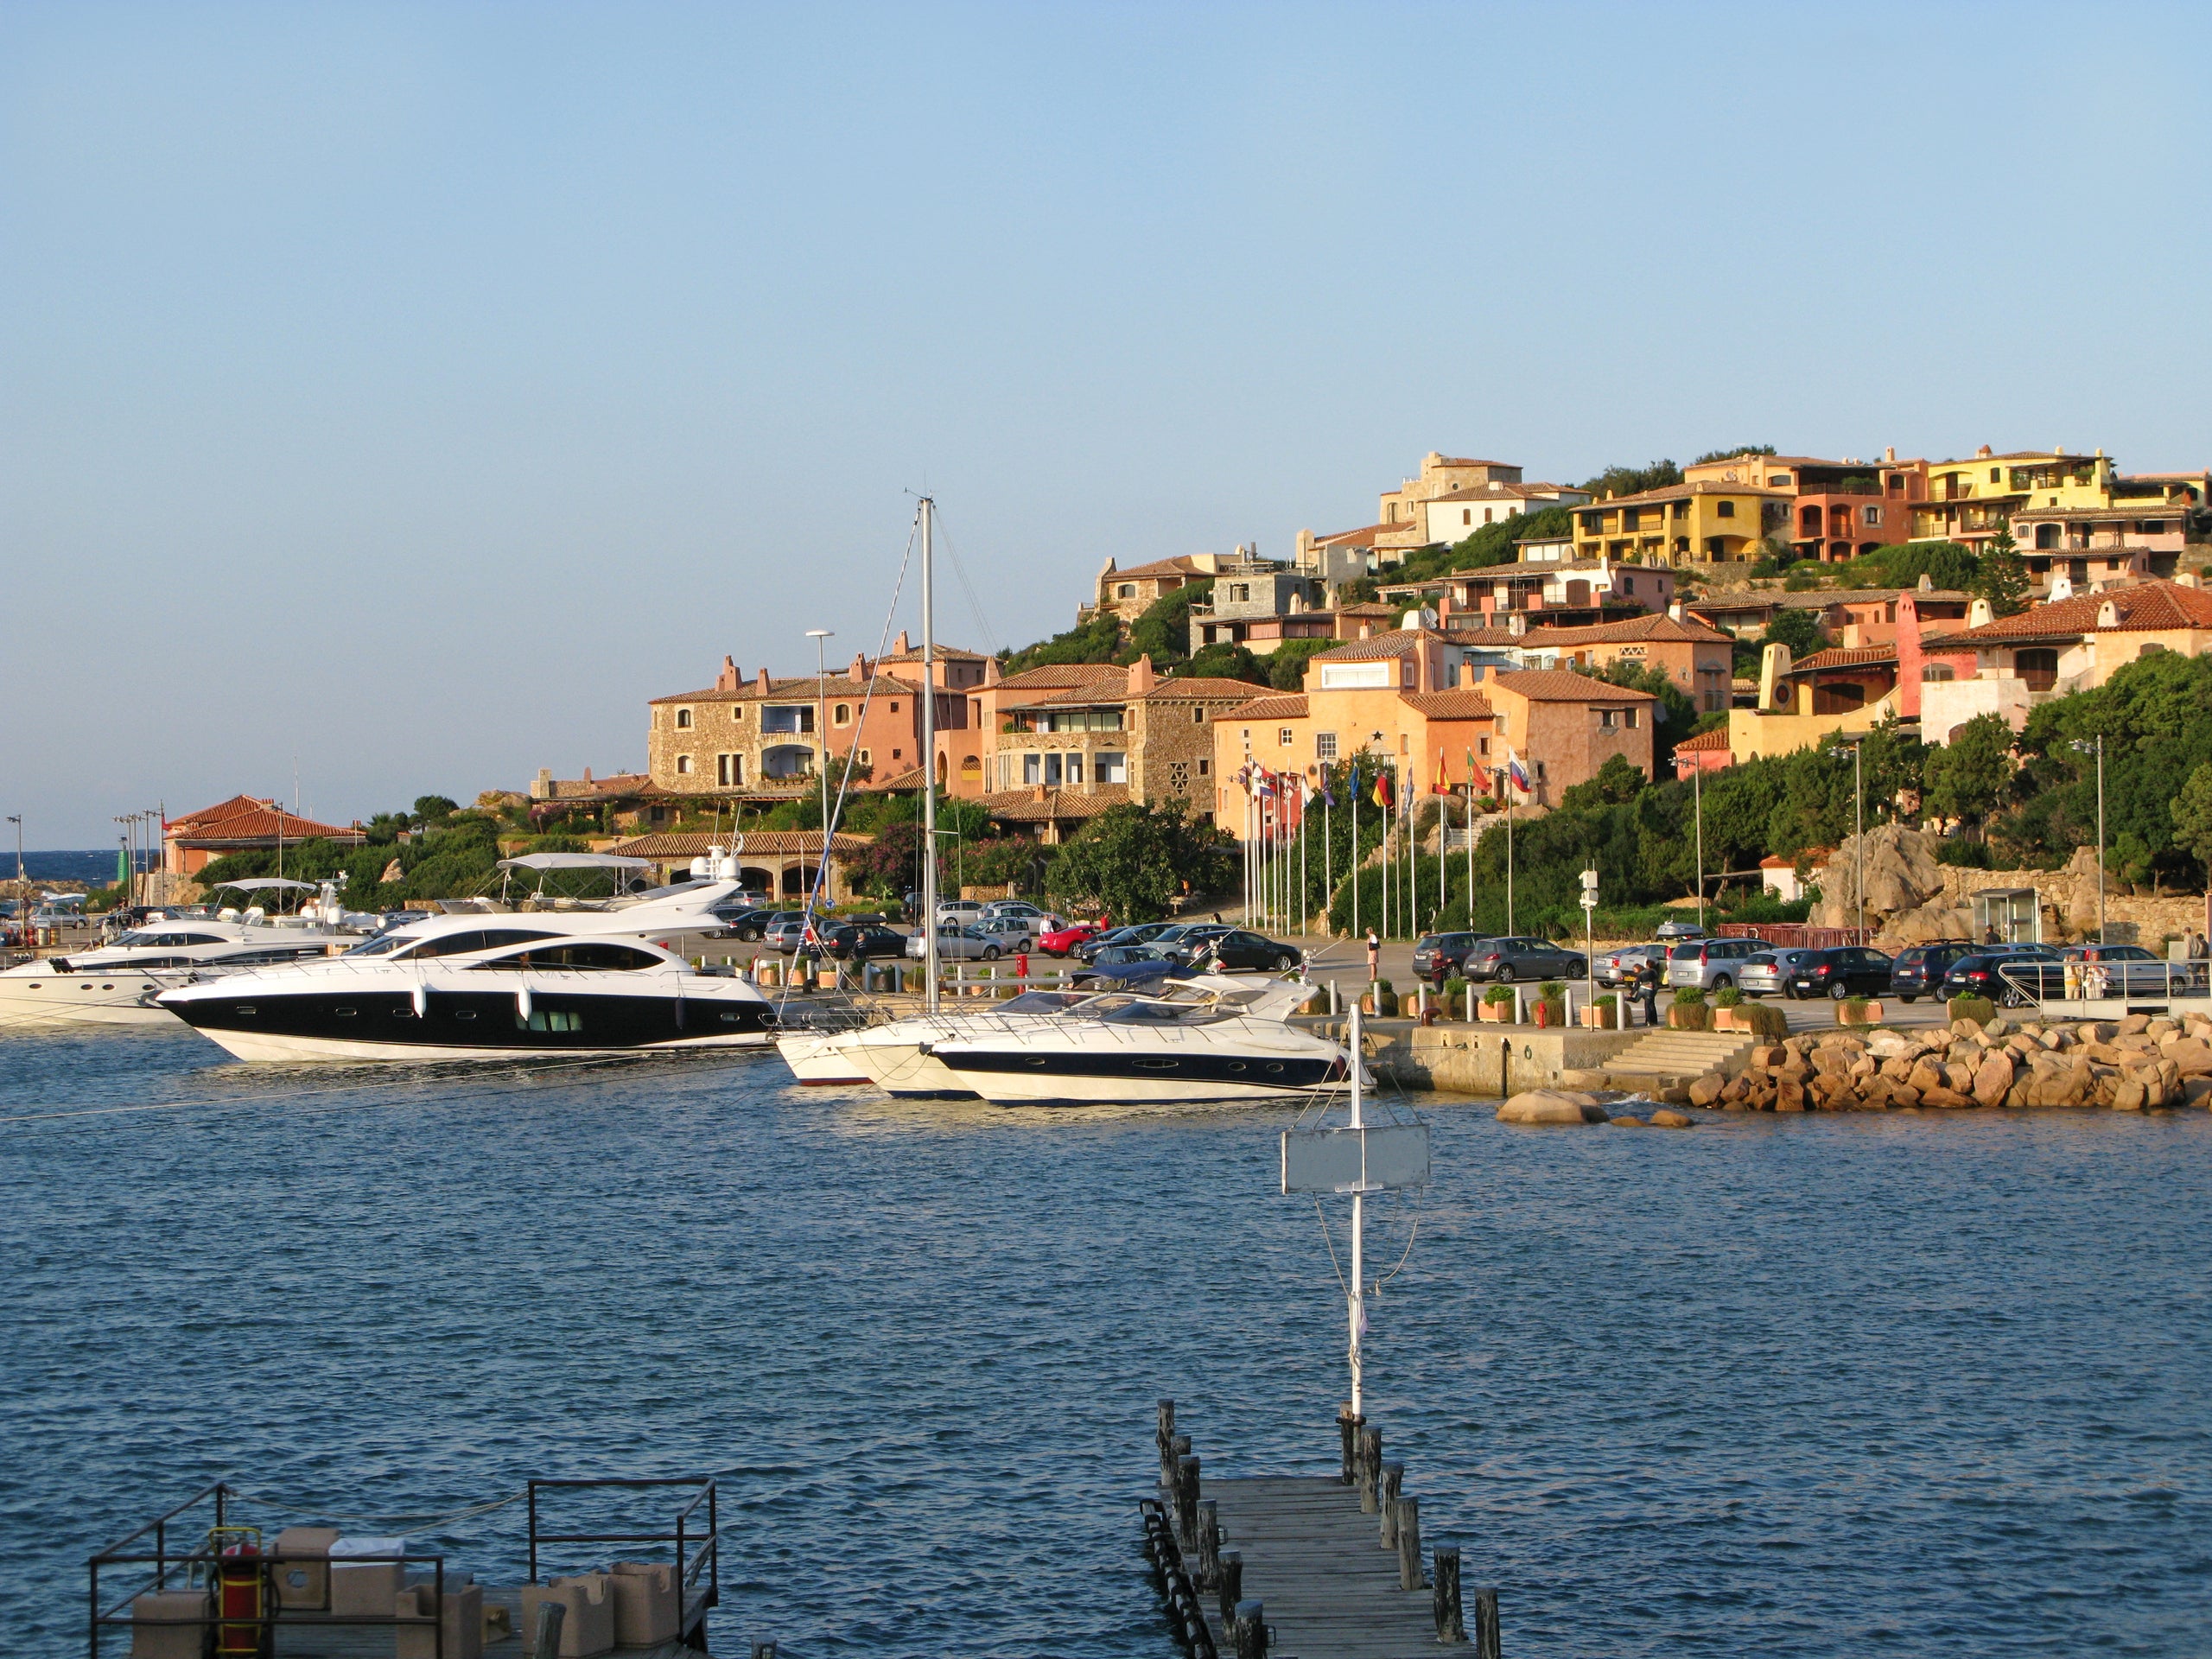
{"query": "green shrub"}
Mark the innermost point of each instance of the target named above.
(1386, 1001)
(1727, 997)
(1979, 1008)
(1498, 996)
(1857, 1005)
(1692, 1016)
(1551, 991)
(1455, 993)
(1690, 996)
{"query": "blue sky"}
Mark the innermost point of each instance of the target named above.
(407, 394)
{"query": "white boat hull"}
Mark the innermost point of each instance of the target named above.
(272, 1048)
(101, 999)
(902, 1069)
(818, 1057)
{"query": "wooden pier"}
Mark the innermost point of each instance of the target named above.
(1304, 1566)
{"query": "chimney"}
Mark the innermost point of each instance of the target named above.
(1908, 656)
(586, 774)
(1982, 453)
(1889, 452)
(1979, 614)
(1467, 674)
(1141, 678)
(992, 672)
(762, 682)
(1490, 673)
(2061, 587)
(1774, 668)
(900, 647)
(1927, 583)
(2108, 615)
(858, 672)
(543, 788)
(1037, 792)
(728, 679)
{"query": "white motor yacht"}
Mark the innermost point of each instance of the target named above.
(1230, 1047)
(113, 984)
(477, 992)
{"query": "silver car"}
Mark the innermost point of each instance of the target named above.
(1711, 965)
(1013, 932)
(1615, 967)
(1767, 973)
(957, 943)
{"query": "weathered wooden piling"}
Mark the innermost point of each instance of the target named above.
(1408, 1511)
(1486, 1637)
(1444, 1595)
(1394, 1477)
(1349, 1423)
(1370, 1470)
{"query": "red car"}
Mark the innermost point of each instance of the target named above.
(1061, 940)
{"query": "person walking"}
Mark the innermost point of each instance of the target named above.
(1374, 957)
(1647, 979)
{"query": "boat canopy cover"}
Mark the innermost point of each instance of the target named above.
(260, 883)
(573, 861)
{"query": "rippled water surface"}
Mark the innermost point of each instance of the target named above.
(1819, 1386)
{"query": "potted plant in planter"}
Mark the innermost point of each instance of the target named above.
(1857, 1011)
(1386, 999)
(1455, 998)
(1603, 1013)
(1726, 1003)
(1689, 1012)
(1498, 1004)
(1551, 1003)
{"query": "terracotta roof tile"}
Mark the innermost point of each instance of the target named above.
(254, 820)
(1841, 657)
(1448, 705)
(2161, 606)
(1023, 806)
(1705, 743)
(1394, 642)
(783, 843)
(1654, 625)
(1563, 685)
(1679, 492)
(1283, 706)
(1181, 565)
(1054, 676)
(1203, 688)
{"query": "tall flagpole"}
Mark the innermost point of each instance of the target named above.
(927, 508)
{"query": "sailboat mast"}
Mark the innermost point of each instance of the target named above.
(929, 763)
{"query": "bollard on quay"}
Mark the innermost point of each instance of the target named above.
(1186, 1502)
(1208, 1571)
(1249, 1632)
(1232, 1586)
(1349, 1423)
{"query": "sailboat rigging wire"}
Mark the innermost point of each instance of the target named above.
(1327, 1238)
(1412, 1235)
(852, 750)
(974, 606)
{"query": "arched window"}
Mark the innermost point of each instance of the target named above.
(683, 765)
(841, 714)
(684, 720)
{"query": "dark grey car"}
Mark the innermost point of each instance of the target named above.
(1504, 961)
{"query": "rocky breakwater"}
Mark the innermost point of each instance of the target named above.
(2139, 1064)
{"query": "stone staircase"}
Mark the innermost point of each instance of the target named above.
(1674, 1059)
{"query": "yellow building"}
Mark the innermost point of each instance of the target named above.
(1703, 522)
(1971, 499)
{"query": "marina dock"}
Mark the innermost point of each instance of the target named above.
(1304, 1566)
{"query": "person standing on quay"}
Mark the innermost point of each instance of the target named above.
(1374, 957)
(1648, 978)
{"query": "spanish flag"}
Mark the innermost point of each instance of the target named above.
(1443, 779)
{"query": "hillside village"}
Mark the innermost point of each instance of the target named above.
(1485, 638)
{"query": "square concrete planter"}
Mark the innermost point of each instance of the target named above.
(1494, 1013)
(1847, 1015)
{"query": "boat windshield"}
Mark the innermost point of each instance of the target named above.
(1163, 1013)
(1044, 1002)
(383, 945)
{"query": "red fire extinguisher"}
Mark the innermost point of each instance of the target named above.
(241, 1593)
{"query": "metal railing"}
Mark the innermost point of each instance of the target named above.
(204, 1566)
(2140, 987)
(696, 1549)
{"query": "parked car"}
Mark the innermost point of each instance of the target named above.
(1236, 948)
(964, 911)
(1842, 970)
(1136, 933)
(1015, 907)
(1504, 961)
(1768, 973)
(859, 942)
(1061, 940)
(1678, 930)
(1978, 975)
(784, 930)
(745, 922)
(957, 943)
(1920, 967)
(1013, 932)
(1129, 965)
(1711, 965)
(2128, 969)
(1615, 967)
(1437, 957)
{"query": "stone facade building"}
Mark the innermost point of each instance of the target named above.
(757, 740)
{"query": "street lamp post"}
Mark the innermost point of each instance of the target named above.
(2097, 748)
(1855, 740)
(822, 738)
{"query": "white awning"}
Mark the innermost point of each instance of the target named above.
(261, 883)
(573, 861)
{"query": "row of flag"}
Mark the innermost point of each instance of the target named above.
(1269, 785)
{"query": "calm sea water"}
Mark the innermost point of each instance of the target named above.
(1807, 1386)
